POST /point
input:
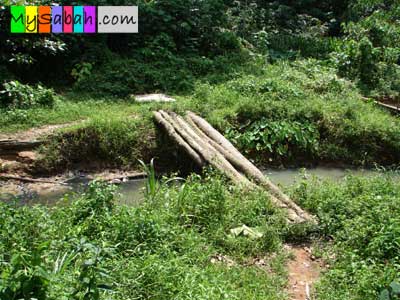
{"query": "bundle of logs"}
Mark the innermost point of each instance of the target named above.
(205, 145)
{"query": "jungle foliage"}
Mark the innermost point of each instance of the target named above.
(192, 39)
(288, 82)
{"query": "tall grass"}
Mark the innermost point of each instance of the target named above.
(93, 249)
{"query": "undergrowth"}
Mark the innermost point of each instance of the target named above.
(93, 249)
(287, 113)
(300, 111)
(361, 217)
(118, 141)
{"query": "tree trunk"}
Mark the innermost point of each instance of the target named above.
(205, 144)
(178, 139)
(27, 179)
(7, 146)
(211, 155)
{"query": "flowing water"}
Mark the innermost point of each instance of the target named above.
(132, 192)
(287, 177)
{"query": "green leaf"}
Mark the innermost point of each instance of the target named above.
(89, 262)
(395, 287)
(384, 295)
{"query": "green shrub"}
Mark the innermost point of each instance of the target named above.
(117, 141)
(278, 138)
(24, 277)
(370, 53)
(15, 95)
(391, 292)
(205, 205)
(304, 111)
(122, 77)
(147, 72)
(95, 202)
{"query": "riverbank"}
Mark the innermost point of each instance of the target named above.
(131, 184)
(290, 114)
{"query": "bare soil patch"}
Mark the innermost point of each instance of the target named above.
(304, 270)
(36, 133)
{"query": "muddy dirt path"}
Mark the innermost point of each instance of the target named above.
(36, 132)
(304, 270)
(18, 161)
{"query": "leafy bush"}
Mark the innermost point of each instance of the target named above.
(391, 292)
(370, 53)
(117, 142)
(81, 71)
(277, 138)
(123, 77)
(16, 95)
(207, 209)
(25, 277)
(205, 205)
(147, 72)
(97, 200)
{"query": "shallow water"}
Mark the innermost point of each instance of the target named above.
(132, 192)
(129, 193)
(288, 177)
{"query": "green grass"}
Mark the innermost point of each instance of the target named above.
(92, 249)
(306, 93)
(71, 108)
(361, 216)
(289, 113)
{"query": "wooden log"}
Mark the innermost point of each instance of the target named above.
(17, 146)
(27, 179)
(206, 138)
(211, 155)
(293, 215)
(243, 164)
(178, 139)
(216, 156)
(394, 109)
(214, 149)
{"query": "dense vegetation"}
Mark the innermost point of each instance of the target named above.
(288, 113)
(361, 216)
(93, 249)
(284, 80)
(179, 244)
(288, 82)
(192, 39)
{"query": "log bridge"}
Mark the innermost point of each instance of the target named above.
(205, 145)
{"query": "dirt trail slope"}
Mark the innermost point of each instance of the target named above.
(18, 159)
(35, 133)
(304, 271)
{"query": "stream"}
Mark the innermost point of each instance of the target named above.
(131, 192)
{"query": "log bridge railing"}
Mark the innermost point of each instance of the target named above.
(205, 145)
